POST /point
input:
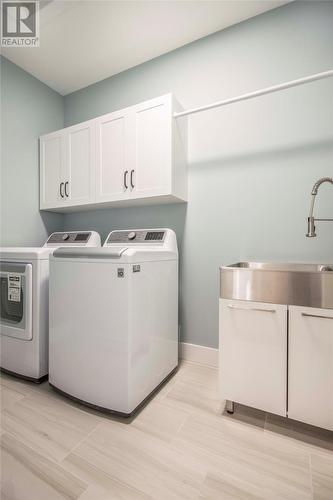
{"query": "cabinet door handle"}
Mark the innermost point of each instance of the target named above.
(125, 179)
(237, 308)
(132, 183)
(61, 185)
(66, 193)
(316, 316)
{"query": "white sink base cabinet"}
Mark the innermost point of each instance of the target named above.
(253, 354)
(311, 366)
(253, 358)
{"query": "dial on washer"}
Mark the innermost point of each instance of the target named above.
(131, 235)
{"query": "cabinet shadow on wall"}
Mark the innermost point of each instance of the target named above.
(139, 217)
(279, 154)
(51, 222)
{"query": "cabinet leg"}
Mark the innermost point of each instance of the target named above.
(229, 406)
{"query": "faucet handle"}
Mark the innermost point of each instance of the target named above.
(311, 228)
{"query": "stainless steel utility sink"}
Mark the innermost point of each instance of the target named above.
(297, 284)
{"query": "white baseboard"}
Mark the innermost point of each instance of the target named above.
(199, 354)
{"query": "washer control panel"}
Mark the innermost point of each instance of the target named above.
(69, 238)
(146, 236)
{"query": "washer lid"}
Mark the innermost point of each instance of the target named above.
(24, 253)
(89, 253)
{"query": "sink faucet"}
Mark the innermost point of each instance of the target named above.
(311, 220)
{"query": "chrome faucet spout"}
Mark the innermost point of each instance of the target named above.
(311, 219)
(319, 183)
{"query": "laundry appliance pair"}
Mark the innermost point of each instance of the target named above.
(113, 315)
(24, 313)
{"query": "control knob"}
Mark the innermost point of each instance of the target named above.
(131, 235)
(65, 237)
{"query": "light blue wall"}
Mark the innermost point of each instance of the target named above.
(28, 109)
(251, 166)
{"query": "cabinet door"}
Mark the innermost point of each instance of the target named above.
(112, 170)
(253, 354)
(151, 148)
(52, 160)
(311, 366)
(79, 171)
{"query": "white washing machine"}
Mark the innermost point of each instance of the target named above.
(116, 340)
(24, 275)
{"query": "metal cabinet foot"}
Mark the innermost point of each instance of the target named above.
(229, 406)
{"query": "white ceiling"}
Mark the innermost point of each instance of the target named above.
(85, 41)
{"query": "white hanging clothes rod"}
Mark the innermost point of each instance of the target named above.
(257, 93)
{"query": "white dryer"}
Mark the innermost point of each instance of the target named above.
(116, 340)
(24, 276)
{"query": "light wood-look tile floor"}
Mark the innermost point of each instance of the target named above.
(180, 446)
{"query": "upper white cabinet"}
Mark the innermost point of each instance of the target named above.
(311, 366)
(67, 167)
(152, 159)
(52, 169)
(112, 162)
(80, 164)
(133, 156)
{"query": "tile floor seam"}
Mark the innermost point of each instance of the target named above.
(35, 450)
(82, 440)
(40, 451)
(50, 459)
(33, 389)
(112, 478)
(9, 407)
(115, 480)
(11, 389)
(304, 445)
(180, 427)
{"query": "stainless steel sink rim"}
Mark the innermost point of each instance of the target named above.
(294, 267)
(303, 284)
